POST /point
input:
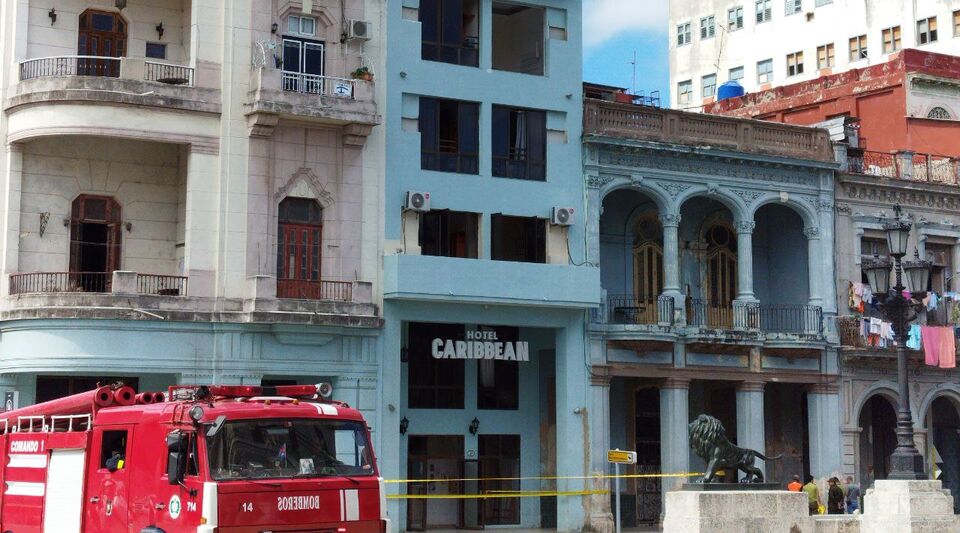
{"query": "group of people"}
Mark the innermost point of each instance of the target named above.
(841, 498)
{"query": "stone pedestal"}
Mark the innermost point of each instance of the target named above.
(768, 511)
(909, 507)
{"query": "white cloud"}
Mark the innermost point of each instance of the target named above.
(604, 19)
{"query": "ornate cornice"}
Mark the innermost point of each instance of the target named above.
(748, 197)
(907, 194)
(811, 233)
(673, 189)
(670, 219)
(745, 226)
(595, 182)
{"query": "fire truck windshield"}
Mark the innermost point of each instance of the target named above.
(288, 448)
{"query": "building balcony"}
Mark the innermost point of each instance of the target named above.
(138, 296)
(926, 168)
(431, 278)
(641, 123)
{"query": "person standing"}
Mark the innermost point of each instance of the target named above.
(813, 495)
(835, 499)
(853, 495)
(795, 485)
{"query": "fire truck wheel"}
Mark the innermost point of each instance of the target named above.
(152, 529)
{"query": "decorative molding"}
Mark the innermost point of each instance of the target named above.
(928, 198)
(673, 189)
(670, 219)
(751, 386)
(811, 233)
(748, 197)
(595, 182)
(262, 124)
(676, 383)
(304, 183)
(819, 204)
(356, 134)
(744, 226)
(844, 209)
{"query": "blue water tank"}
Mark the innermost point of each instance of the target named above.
(730, 89)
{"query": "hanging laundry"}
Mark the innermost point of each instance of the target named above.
(913, 341)
(931, 302)
(931, 345)
(948, 348)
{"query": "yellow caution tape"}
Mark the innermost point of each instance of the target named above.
(548, 478)
(527, 494)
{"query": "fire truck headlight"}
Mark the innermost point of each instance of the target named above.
(196, 413)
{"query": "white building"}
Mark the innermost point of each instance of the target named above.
(186, 194)
(767, 43)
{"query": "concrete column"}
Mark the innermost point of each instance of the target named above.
(745, 260)
(815, 260)
(674, 439)
(823, 411)
(387, 440)
(201, 225)
(573, 422)
(828, 288)
(601, 512)
(750, 423)
(955, 282)
(594, 206)
(12, 178)
(671, 260)
(905, 164)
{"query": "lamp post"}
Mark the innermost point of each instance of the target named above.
(906, 462)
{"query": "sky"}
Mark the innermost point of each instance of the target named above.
(613, 30)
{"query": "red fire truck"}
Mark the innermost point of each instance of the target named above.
(224, 459)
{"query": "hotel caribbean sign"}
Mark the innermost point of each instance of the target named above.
(481, 345)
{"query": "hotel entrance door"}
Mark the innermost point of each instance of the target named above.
(436, 458)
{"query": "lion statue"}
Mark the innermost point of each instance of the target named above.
(708, 438)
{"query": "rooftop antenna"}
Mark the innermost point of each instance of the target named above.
(633, 83)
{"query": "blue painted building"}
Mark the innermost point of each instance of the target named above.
(485, 256)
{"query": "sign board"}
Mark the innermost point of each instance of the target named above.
(621, 457)
(481, 345)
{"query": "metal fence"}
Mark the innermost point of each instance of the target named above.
(299, 82)
(630, 309)
(167, 73)
(46, 67)
(928, 168)
(791, 318)
(56, 282)
(161, 285)
(315, 290)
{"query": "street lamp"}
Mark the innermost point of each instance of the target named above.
(906, 462)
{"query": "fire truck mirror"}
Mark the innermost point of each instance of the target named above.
(215, 427)
(176, 457)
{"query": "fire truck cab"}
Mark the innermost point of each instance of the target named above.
(225, 459)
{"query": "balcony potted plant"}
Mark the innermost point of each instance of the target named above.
(362, 73)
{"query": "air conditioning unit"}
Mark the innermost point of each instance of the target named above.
(417, 201)
(562, 216)
(360, 30)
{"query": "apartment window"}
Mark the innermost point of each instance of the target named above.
(684, 92)
(891, 39)
(858, 48)
(303, 26)
(956, 23)
(498, 382)
(764, 10)
(520, 239)
(794, 63)
(736, 74)
(707, 28)
(765, 71)
(449, 234)
(433, 383)
(449, 135)
(709, 85)
(519, 143)
(793, 6)
(683, 34)
(927, 30)
(450, 31)
(825, 56)
(735, 18)
(156, 51)
(518, 38)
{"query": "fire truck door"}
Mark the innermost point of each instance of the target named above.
(62, 503)
(108, 484)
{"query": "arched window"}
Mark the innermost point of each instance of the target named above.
(647, 266)
(939, 113)
(102, 34)
(299, 248)
(721, 273)
(95, 235)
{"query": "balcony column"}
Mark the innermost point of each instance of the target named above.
(601, 511)
(573, 414)
(823, 411)
(202, 220)
(955, 282)
(815, 265)
(13, 176)
(750, 422)
(671, 260)
(674, 439)
(745, 260)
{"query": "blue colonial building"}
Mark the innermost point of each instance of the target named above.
(485, 255)
(714, 238)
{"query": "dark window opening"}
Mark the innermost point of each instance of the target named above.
(156, 51)
(449, 234)
(302, 65)
(450, 31)
(521, 239)
(518, 38)
(449, 135)
(433, 383)
(112, 443)
(95, 239)
(54, 387)
(519, 143)
(498, 382)
(500, 468)
(102, 35)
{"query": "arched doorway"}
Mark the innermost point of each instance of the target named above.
(708, 265)
(944, 424)
(102, 34)
(95, 238)
(299, 249)
(647, 266)
(878, 438)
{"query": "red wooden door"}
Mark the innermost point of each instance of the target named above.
(299, 261)
(104, 35)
